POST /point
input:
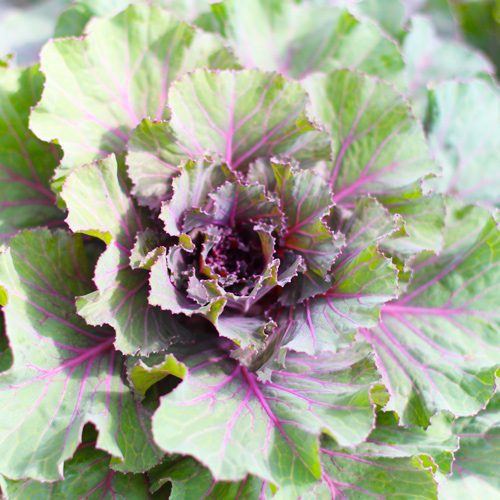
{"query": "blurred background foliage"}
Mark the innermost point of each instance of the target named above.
(472, 22)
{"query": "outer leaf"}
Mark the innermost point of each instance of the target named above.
(351, 475)
(64, 373)
(277, 35)
(436, 346)
(475, 470)
(121, 296)
(377, 143)
(464, 141)
(239, 425)
(191, 480)
(425, 67)
(87, 475)
(243, 115)
(100, 87)
(26, 163)
(153, 160)
(363, 280)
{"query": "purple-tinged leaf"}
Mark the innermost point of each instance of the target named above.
(26, 163)
(239, 425)
(436, 347)
(242, 115)
(378, 145)
(101, 86)
(64, 372)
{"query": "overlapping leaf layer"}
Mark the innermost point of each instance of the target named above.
(241, 267)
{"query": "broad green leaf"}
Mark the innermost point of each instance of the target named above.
(153, 160)
(475, 469)
(431, 60)
(363, 279)
(86, 475)
(121, 296)
(350, 474)
(64, 372)
(192, 480)
(227, 418)
(26, 163)
(297, 39)
(99, 88)
(378, 145)
(436, 347)
(462, 123)
(242, 115)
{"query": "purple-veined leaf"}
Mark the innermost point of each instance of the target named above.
(297, 39)
(436, 346)
(153, 160)
(242, 115)
(147, 248)
(190, 479)
(64, 373)
(26, 163)
(239, 425)
(98, 88)
(87, 475)
(363, 279)
(378, 145)
(121, 296)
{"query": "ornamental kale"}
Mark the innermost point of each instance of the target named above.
(252, 253)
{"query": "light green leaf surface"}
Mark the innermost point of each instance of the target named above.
(242, 115)
(99, 88)
(26, 163)
(437, 346)
(297, 39)
(64, 373)
(462, 127)
(378, 145)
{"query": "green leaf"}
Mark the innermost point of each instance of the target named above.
(64, 373)
(121, 299)
(86, 475)
(431, 60)
(297, 39)
(99, 88)
(26, 163)
(378, 145)
(352, 474)
(143, 374)
(153, 160)
(475, 469)
(242, 115)
(436, 346)
(239, 425)
(462, 121)
(192, 480)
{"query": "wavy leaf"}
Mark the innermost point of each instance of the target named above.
(99, 88)
(240, 425)
(436, 346)
(378, 145)
(64, 373)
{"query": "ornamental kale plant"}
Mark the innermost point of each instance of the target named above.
(249, 251)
